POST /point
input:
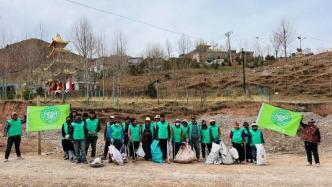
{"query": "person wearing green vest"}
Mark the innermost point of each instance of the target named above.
(106, 136)
(13, 131)
(78, 132)
(185, 130)
(163, 131)
(154, 125)
(116, 134)
(67, 144)
(237, 137)
(215, 131)
(126, 125)
(247, 150)
(147, 137)
(206, 134)
(255, 137)
(134, 134)
(195, 136)
(93, 127)
(177, 137)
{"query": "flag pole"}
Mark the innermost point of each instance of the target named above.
(39, 133)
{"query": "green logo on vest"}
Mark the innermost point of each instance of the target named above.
(281, 117)
(50, 115)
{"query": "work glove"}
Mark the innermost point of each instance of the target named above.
(112, 140)
(67, 136)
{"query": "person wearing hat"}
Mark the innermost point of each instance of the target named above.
(237, 138)
(106, 136)
(93, 127)
(134, 134)
(176, 137)
(311, 137)
(195, 136)
(255, 137)
(67, 145)
(215, 131)
(247, 149)
(154, 125)
(13, 131)
(163, 132)
(147, 137)
(185, 130)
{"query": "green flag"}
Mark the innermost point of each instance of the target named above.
(42, 118)
(278, 119)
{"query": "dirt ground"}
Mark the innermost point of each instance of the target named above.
(282, 170)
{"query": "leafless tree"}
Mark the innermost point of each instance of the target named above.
(275, 43)
(84, 40)
(184, 44)
(285, 36)
(169, 48)
(102, 54)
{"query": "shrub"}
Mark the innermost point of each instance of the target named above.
(151, 90)
(27, 94)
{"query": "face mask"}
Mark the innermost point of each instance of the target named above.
(177, 124)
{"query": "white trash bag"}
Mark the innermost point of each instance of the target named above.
(115, 155)
(261, 154)
(213, 157)
(140, 152)
(226, 157)
(234, 153)
(185, 155)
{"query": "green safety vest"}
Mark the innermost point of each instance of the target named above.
(91, 125)
(15, 127)
(65, 128)
(246, 133)
(177, 132)
(190, 125)
(237, 135)
(117, 132)
(256, 136)
(185, 131)
(135, 132)
(78, 133)
(214, 131)
(163, 130)
(206, 137)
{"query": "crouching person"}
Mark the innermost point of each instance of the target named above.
(78, 134)
(255, 137)
(67, 144)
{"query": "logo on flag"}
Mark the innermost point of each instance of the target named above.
(50, 115)
(281, 117)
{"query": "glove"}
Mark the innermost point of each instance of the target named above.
(112, 140)
(67, 136)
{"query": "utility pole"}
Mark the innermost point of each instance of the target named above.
(244, 73)
(301, 39)
(228, 35)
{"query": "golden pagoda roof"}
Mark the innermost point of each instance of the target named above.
(57, 41)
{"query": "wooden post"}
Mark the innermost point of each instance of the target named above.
(39, 133)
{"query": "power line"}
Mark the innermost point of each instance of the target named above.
(129, 18)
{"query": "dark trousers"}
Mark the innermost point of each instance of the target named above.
(67, 145)
(248, 151)
(311, 149)
(253, 153)
(147, 149)
(10, 141)
(204, 146)
(177, 146)
(163, 147)
(240, 149)
(195, 146)
(80, 150)
(93, 142)
(133, 146)
(107, 144)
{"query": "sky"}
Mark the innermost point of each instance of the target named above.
(206, 20)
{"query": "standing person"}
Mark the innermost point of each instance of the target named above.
(13, 131)
(134, 134)
(247, 144)
(147, 137)
(311, 137)
(255, 137)
(106, 136)
(85, 116)
(125, 126)
(78, 132)
(176, 137)
(215, 131)
(163, 133)
(67, 144)
(237, 137)
(116, 135)
(206, 134)
(154, 126)
(185, 130)
(195, 136)
(93, 127)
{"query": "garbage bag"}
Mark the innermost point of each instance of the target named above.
(157, 155)
(115, 155)
(234, 153)
(261, 154)
(97, 163)
(185, 155)
(140, 152)
(214, 154)
(226, 157)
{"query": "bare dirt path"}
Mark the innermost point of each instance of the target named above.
(283, 170)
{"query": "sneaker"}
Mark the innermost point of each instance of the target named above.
(308, 164)
(6, 160)
(66, 158)
(317, 165)
(20, 158)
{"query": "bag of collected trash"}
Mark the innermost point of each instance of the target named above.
(97, 163)
(226, 157)
(185, 155)
(157, 155)
(261, 154)
(234, 153)
(115, 155)
(214, 154)
(140, 152)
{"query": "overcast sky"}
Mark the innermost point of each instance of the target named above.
(206, 19)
